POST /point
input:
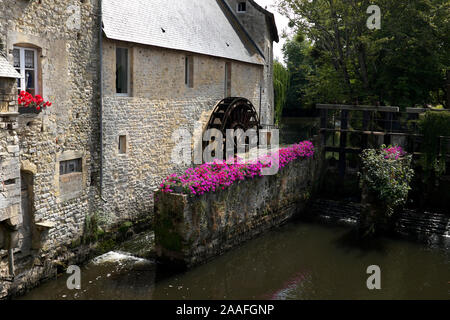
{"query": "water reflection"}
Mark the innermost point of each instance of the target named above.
(297, 261)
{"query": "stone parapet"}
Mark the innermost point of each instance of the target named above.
(191, 230)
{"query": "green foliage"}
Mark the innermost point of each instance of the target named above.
(433, 125)
(92, 229)
(402, 64)
(299, 63)
(125, 227)
(281, 85)
(388, 179)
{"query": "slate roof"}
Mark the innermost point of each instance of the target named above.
(6, 69)
(199, 26)
(271, 19)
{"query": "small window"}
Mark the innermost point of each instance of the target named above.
(9, 182)
(122, 144)
(70, 166)
(228, 79)
(122, 72)
(189, 72)
(25, 62)
(242, 7)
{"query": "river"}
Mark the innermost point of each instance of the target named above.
(297, 261)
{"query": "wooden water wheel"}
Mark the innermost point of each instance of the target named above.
(234, 113)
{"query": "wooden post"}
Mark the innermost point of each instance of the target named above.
(343, 143)
(365, 137)
(387, 128)
(323, 124)
(11, 262)
(448, 89)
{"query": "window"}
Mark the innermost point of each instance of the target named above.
(189, 72)
(228, 79)
(122, 144)
(122, 72)
(242, 7)
(70, 166)
(25, 62)
(9, 182)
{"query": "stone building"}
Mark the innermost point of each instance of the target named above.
(178, 59)
(123, 76)
(54, 46)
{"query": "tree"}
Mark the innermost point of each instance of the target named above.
(403, 63)
(281, 85)
(299, 63)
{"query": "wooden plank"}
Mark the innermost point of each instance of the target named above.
(347, 150)
(357, 108)
(416, 110)
(375, 133)
(423, 110)
(343, 142)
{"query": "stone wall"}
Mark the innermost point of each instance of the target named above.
(67, 49)
(65, 35)
(159, 74)
(256, 24)
(160, 103)
(191, 230)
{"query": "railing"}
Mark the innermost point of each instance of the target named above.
(349, 129)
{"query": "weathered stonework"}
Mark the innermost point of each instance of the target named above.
(255, 22)
(191, 230)
(68, 72)
(159, 104)
(85, 121)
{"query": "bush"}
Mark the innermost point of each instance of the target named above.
(387, 174)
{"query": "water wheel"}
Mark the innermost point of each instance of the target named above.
(234, 113)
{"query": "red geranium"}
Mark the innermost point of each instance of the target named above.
(26, 99)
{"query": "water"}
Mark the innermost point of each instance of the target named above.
(297, 261)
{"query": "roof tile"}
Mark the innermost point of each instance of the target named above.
(7, 70)
(198, 26)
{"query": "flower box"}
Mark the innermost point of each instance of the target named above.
(31, 105)
(29, 110)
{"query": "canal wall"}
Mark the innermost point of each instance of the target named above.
(191, 230)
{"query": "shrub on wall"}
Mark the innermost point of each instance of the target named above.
(387, 175)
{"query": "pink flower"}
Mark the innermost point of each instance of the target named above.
(219, 175)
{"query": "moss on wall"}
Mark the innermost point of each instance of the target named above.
(168, 215)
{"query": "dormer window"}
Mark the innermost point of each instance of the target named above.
(242, 7)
